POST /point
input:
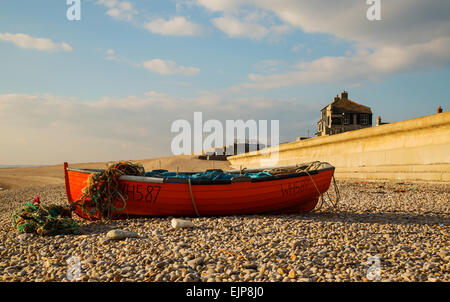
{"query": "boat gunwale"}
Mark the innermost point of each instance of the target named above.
(237, 179)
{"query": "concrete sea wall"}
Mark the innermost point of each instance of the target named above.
(415, 149)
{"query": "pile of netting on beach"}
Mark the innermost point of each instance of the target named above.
(51, 220)
(97, 202)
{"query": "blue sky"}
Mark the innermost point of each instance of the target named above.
(109, 86)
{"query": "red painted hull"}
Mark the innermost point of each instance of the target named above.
(294, 194)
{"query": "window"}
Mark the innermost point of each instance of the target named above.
(364, 119)
(346, 119)
(336, 120)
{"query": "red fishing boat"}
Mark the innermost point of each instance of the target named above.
(294, 190)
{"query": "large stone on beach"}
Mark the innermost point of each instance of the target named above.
(195, 262)
(120, 234)
(250, 265)
(181, 223)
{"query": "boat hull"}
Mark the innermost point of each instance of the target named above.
(148, 198)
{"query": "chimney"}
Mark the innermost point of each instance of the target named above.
(344, 95)
(439, 110)
(379, 121)
(336, 98)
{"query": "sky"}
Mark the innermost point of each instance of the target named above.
(109, 86)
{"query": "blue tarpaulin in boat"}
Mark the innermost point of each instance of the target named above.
(208, 175)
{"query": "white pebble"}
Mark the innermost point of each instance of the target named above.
(120, 234)
(180, 223)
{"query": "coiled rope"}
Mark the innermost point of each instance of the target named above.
(102, 194)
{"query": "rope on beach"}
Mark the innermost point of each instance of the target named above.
(102, 193)
(51, 220)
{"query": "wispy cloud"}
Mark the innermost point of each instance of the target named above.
(238, 22)
(29, 42)
(252, 25)
(234, 27)
(220, 5)
(119, 10)
(169, 67)
(176, 26)
(369, 65)
(111, 55)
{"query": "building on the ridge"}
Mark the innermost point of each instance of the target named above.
(237, 147)
(343, 115)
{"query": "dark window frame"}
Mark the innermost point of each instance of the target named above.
(347, 119)
(364, 119)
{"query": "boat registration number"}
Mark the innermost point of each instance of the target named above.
(146, 193)
(292, 188)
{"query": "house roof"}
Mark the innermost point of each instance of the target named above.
(346, 104)
(349, 105)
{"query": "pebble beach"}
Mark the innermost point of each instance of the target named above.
(380, 231)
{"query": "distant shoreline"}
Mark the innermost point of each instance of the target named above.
(18, 166)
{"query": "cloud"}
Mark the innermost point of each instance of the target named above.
(414, 22)
(254, 25)
(411, 36)
(169, 67)
(177, 26)
(240, 20)
(220, 5)
(43, 129)
(364, 64)
(110, 55)
(119, 10)
(233, 27)
(28, 42)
